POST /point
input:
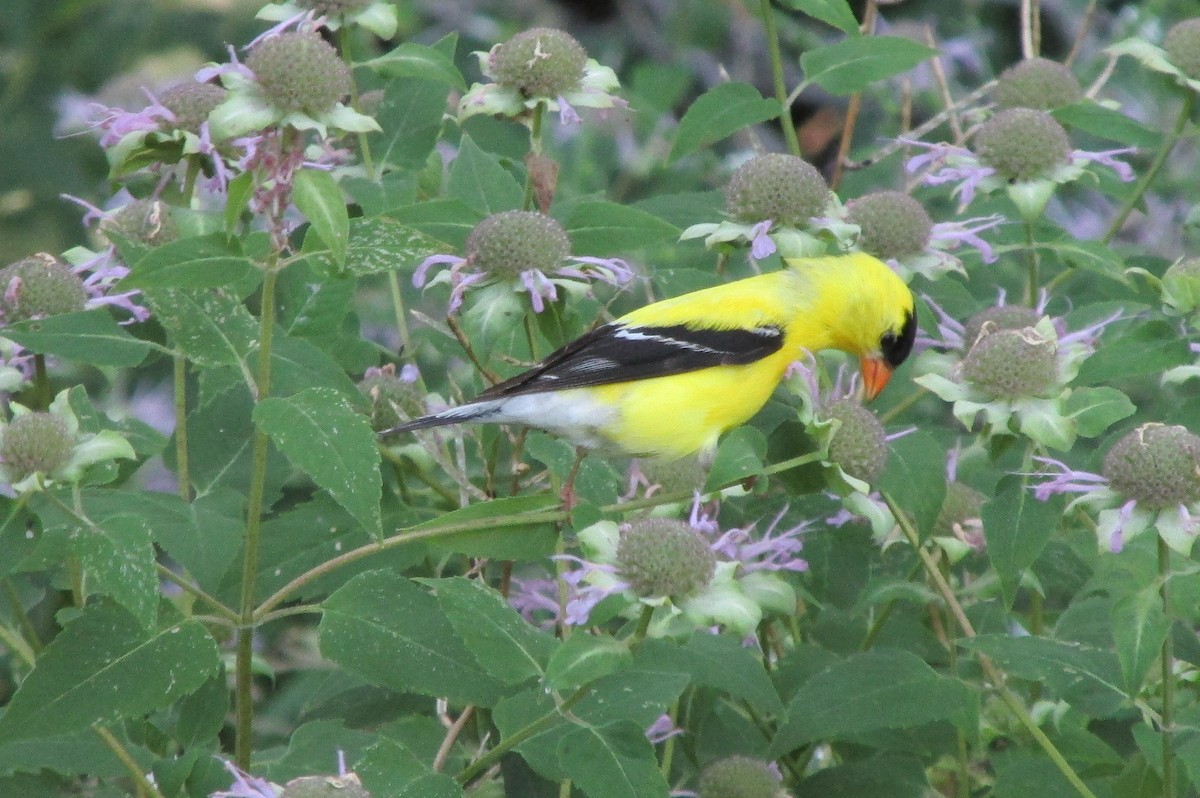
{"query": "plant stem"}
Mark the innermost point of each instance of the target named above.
(781, 92)
(1168, 675)
(181, 440)
(990, 670)
(145, 787)
(643, 624)
(535, 148)
(1034, 265)
(1185, 113)
(215, 603)
(364, 144)
(243, 672)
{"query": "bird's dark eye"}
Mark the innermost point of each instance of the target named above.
(896, 348)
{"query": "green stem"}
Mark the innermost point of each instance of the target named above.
(41, 384)
(145, 787)
(994, 674)
(243, 671)
(17, 644)
(181, 439)
(216, 604)
(1168, 144)
(364, 144)
(1167, 723)
(1034, 265)
(481, 765)
(535, 148)
(643, 624)
(398, 308)
(781, 93)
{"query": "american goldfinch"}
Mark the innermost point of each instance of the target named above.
(668, 379)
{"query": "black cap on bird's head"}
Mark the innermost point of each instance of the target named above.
(894, 348)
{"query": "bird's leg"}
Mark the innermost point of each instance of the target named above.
(567, 494)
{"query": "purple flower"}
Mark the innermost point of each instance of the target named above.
(247, 786)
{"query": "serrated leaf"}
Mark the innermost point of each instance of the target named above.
(119, 558)
(479, 181)
(317, 196)
(503, 643)
(739, 456)
(211, 261)
(853, 64)
(870, 691)
(104, 666)
(211, 328)
(1144, 348)
(381, 244)
(389, 631)
(412, 60)
(718, 661)
(410, 115)
(1017, 527)
(612, 761)
(584, 658)
(1139, 628)
(607, 228)
(1097, 409)
(1074, 671)
(720, 112)
(323, 436)
(836, 13)
(90, 336)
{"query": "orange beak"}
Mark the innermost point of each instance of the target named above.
(875, 373)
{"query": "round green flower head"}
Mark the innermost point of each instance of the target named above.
(45, 286)
(859, 446)
(508, 243)
(775, 186)
(1182, 44)
(893, 224)
(36, 443)
(145, 221)
(1012, 364)
(540, 62)
(1001, 317)
(393, 400)
(664, 557)
(961, 505)
(738, 777)
(1156, 464)
(1037, 83)
(300, 72)
(334, 8)
(1022, 144)
(191, 103)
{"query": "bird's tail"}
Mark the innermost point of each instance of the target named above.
(464, 414)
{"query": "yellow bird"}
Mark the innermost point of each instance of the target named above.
(668, 379)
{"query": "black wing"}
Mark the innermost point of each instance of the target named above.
(619, 353)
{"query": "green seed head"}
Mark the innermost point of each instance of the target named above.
(738, 777)
(36, 442)
(300, 72)
(145, 221)
(393, 400)
(1156, 464)
(540, 62)
(664, 557)
(894, 225)
(1012, 364)
(960, 508)
(508, 243)
(334, 8)
(347, 786)
(775, 186)
(191, 103)
(860, 445)
(1182, 44)
(1021, 143)
(1037, 83)
(1002, 317)
(38, 286)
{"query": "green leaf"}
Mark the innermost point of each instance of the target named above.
(119, 558)
(391, 769)
(739, 456)
(836, 13)
(1084, 675)
(211, 261)
(1139, 628)
(389, 631)
(220, 434)
(480, 182)
(323, 436)
(1017, 527)
(503, 643)
(105, 666)
(1097, 409)
(892, 774)
(1145, 348)
(297, 364)
(913, 478)
(445, 220)
(1108, 123)
(612, 761)
(202, 714)
(720, 112)
(507, 538)
(211, 328)
(90, 336)
(1091, 256)
(853, 64)
(584, 658)
(718, 661)
(412, 60)
(410, 115)
(240, 190)
(381, 245)
(870, 691)
(317, 195)
(608, 228)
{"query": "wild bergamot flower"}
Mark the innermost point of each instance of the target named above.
(740, 777)
(293, 79)
(377, 17)
(520, 251)
(1150, 478)
(394, 397)
(1037, 83)
(541, 66)
(773, 202)
(1178, 57)
(37, 448)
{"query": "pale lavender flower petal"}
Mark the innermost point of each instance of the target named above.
(1061, 478)
(967, 232)
(761, 244)
(566, 114)
(1117, 541)
(422, 272)
(461, 283)
(539, 287)
(1106, 158)
(409, 373)
(246, 786)
(662, 729)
